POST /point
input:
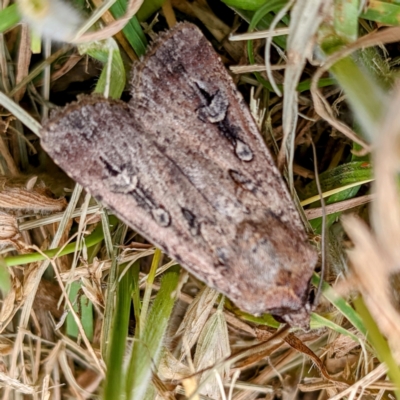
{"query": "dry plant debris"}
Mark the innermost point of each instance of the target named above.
(90, 310)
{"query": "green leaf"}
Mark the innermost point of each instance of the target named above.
(383, 12)
(346, 19)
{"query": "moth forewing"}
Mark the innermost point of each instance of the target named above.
(184, 164)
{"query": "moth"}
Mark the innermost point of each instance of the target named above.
(184, 165)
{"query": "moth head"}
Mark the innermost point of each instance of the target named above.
(274, 265)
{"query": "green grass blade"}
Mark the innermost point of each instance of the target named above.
(132, 30)
(137, 305)
(364, 95)
(82, 305)
(340, 304)
(264, 23)
(84, 308)
(341, 176)
(149, 286)
(380, 344)
(345, 174)
(146, 348)
(318, 322)
(248, 5)
(9, 17)
(273, 5)
(148, 8)
(306, 84)
(94, 238)
(114, 387)
(265, 319)
(118, 239)
(111, 81)
(5, 278)
(363, 89)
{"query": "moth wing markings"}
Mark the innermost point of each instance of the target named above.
(255, 182)
(154, 93)
(84, 162)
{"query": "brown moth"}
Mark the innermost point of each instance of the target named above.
(184, 165)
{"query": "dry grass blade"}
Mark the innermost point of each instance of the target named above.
(24, 58)
(8, 308)
(217, 28)
(4, 151)
(17, 385)
(260, 34)
(324, 111)
(9, 232)
(20, 113)
(196, 316)
(313, 213)
(27, 225)
(170, 368)
(386, 207)
(364, 382)
(116, 26)
(30, 295)
(380, 252)
(298, 345)
(212, 346)
(306, 18)
(26, 196)
(244, 69)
